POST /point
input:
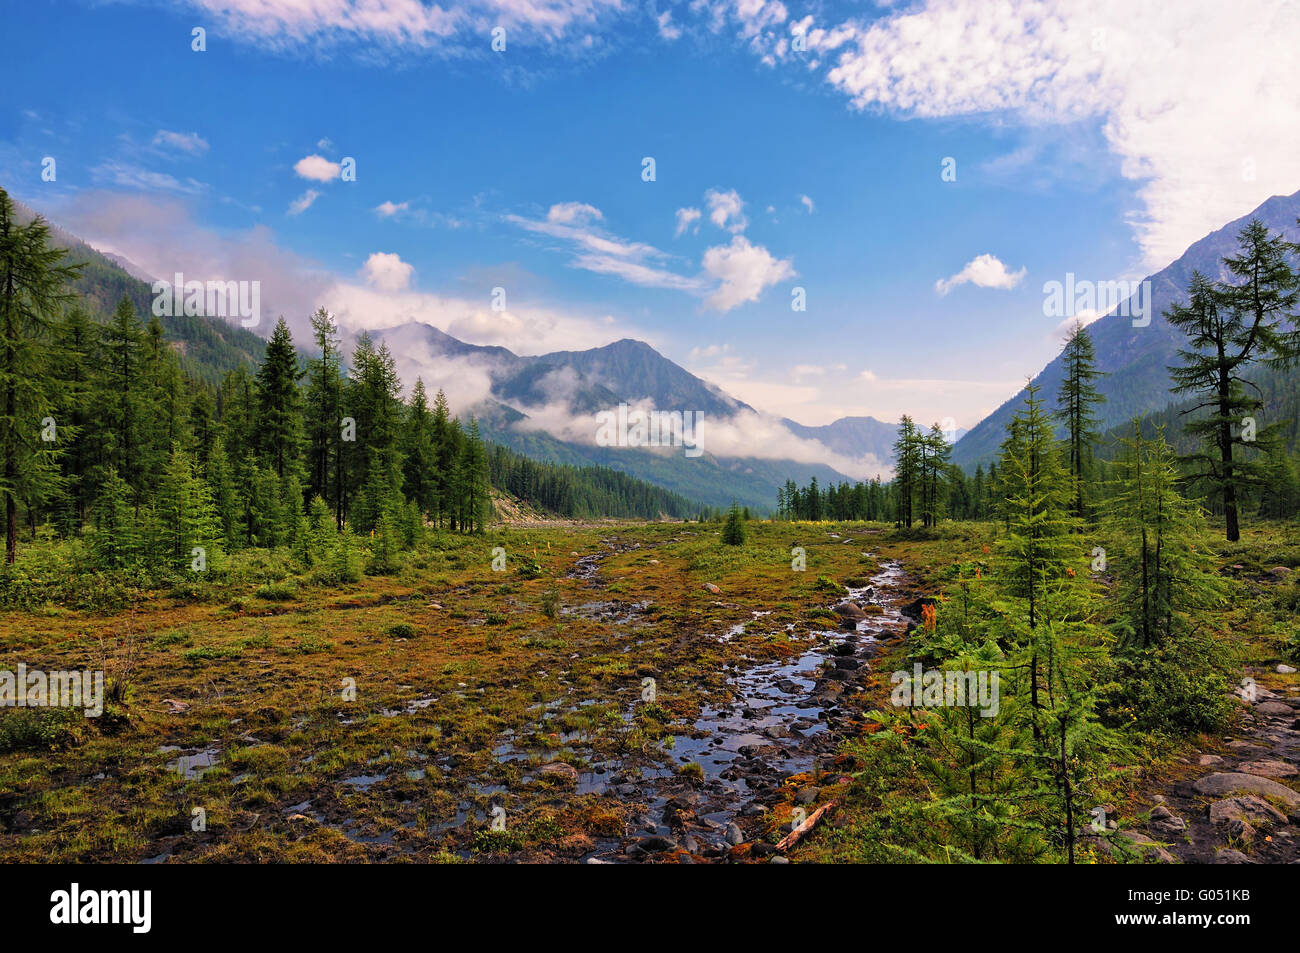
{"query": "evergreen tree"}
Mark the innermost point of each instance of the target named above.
(733, 531)
(1169, 572)
(1229, 327)
(1075, 404)
(279, 408)
(31, 292)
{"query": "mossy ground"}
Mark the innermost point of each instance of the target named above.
(453, 664)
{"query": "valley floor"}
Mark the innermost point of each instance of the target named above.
(617, 692)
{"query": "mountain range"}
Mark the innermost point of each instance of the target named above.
(547, 406)
(1135, 360)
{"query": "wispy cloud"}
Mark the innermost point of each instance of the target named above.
(190, 142)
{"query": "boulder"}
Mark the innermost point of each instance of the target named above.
(1223, 783)
(1165, 822)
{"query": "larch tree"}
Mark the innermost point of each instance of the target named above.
(32, 282)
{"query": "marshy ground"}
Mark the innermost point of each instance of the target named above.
(618, 692)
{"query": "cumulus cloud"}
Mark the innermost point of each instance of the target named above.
(807, 203)
(317, 168)
(1162, 80)
(983, 271)
(742, 271)
(387, 272)
(389, 209)
(667, 29)
(726, 209)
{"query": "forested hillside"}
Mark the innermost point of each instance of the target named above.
(170, 443)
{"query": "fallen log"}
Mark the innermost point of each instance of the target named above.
(789, 840)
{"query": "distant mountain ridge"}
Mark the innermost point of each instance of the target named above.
(1135, 359)
(586, 381)
(629, 371)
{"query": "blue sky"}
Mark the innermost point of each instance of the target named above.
(1078, 131)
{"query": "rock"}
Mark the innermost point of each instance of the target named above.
(558, 769)
(1273, 708)
(710, 587)
(1165, 822)
(733, 834)
(763, 849)
(778, 859)
(657, 843)
(1266, 768)
(1279, 572)
(806, 796)
(1208, 759)
(753, 809)
(1246, 808)
(690, 844)
(1224, 783)
(913, 609)
(849, 610)
(1232, 857)
(1285, 670)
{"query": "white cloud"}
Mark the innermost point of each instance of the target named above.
(667, 29)
(687, 218)
(389, 209)
(137, 178)
(303, 202)
(726, 209)
(317, 168)
(807, 203)
(573, 213)
(190, 142)
(1197, 99)
(743, 272)
(983, 271)
(409, 26)
(385, 271)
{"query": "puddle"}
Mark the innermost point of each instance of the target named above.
(192, 766)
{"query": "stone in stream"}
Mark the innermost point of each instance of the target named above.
(733, 834)
(558, 769)
(849, 610)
